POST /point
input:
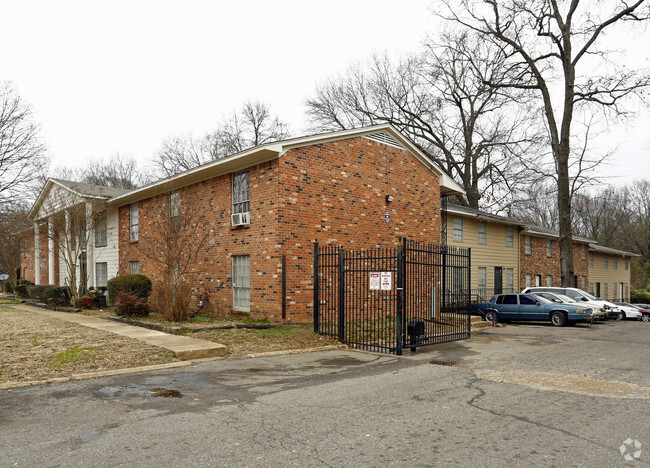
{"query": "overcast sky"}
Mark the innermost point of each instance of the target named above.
(119, 77)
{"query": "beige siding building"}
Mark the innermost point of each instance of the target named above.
(508, 255)
(494, 241)
(609, 273)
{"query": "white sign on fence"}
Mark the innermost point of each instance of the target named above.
(386, 281)
(374, 280)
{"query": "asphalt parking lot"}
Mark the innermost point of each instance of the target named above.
(524, 395)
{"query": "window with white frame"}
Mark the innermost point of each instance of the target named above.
(615, 263)
(591, 259)
(538, 280)
(101, 274)
(482, 233)
(583, 254)
(615, 291)
(529, 281)
(606, 261)
(606, 291)
(174, 211)
(134, 268)
(584, 283)
(549, 280)
(627, 265)
(482, 281)
(591, 288)
(527, 245)
(240, 192)
(510, 278)
(509, 236)
(458, 229)
(134, 229)
(241, 281)
(100, 230)
(549, 248)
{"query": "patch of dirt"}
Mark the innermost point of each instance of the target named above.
(198, 322)
(33, 347)
(242, 342)
(566, 383)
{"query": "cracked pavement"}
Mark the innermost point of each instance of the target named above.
(348, 408)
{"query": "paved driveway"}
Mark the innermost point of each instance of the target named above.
(518, 395)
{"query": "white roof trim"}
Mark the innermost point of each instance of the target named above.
(269, 151)
(46, 190)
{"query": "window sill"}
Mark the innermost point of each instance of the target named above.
(240, 227)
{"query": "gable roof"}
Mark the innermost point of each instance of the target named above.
(609, 250)
(384, 133)
(98, 192)
(526, 228)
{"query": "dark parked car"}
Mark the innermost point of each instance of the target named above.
(531, 307)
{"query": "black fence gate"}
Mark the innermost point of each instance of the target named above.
(388, 299)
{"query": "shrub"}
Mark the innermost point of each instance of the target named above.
(56, 295)
(8, 286)
(139, 285)
(83, 302)
(21, 289)
(97, 295)
(131, 305)
(173, 302)
(36, 291)
(640, 296)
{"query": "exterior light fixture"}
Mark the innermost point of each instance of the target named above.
(389, 198)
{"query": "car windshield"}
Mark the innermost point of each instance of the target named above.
(589, 296)
(543, 300)
(566, 298)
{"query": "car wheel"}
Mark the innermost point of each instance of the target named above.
(558, 319)
(621, 316)
(645, 317)
(491, 316)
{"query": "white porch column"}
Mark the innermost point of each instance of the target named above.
(90, 244)
(37, 254)
(68, 238)
(50, 251)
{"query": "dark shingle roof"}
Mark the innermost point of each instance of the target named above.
(90, 190)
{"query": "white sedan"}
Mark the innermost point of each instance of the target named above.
(629, 311)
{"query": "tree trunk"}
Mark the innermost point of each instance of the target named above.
(564, 212)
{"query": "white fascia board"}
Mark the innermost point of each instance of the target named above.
(239, 162)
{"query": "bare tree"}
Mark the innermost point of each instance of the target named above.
(13, 221)
(22, 154)
(546, 42)
(175, 247)
(117, 172)
(441, 100)
(535, 205)
(252, 125)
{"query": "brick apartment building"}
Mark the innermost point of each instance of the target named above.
(265, 207)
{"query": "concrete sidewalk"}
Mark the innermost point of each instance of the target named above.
(184, 347)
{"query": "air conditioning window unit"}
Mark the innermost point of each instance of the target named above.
(239, 219)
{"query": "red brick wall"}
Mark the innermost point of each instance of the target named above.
(27, 257)
(213, 281)
(538, 263)
(333, 192)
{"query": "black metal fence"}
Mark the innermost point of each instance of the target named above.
(387, 299)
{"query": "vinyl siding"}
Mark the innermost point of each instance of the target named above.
(493, 253)
(609, 275)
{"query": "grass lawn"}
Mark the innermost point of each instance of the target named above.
(242, 342)
(33, 347)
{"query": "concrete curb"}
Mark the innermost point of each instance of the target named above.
(296, 351)
(95, 375)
